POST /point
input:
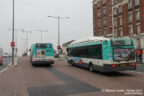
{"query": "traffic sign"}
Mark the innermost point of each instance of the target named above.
(12, 44)
(139, 51)
(59, 47)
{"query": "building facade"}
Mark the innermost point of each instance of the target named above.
(119, 18)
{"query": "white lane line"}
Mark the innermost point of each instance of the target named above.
(3, 70)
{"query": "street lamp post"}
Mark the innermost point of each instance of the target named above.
(58, 17)
(41, 33)
(27, 39)
(24, 47)
(13, 34)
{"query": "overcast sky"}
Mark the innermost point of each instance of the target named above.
(32, 15)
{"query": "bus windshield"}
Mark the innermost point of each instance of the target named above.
(121, 42)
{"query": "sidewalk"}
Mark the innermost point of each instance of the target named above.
(140, 68)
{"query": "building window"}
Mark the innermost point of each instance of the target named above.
(105, 33)
(137, 15)
(121, 32)
(131, 31)
(115, 32)
(137, 3)
(130, 4)
(98, 4)
(104, 2)
(110, 8)
(104, 11)
(120, 9)
(114, 12)
(138, 29)
(99, 33)
(110, 30)
(104, 21)
(110, 19)
(120, 20)
(130, 17)
(98, 13)
(115, 2)
(115, 22)
(99, 24)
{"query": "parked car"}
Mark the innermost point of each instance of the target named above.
(0, 60)
(56, 55)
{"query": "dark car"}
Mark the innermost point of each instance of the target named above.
(56, 55)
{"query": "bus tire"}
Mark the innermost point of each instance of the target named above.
(33, 64)
(50, 65)
(91, 69)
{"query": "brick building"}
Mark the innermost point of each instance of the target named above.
(119, 18)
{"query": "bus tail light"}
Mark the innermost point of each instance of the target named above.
(114, 65)
(133, 64)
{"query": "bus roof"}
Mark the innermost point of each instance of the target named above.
(89, 39)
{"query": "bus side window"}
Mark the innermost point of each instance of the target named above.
(95, 52)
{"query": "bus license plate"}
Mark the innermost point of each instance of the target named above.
(122, 65)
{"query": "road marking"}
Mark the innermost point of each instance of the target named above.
(3, 70)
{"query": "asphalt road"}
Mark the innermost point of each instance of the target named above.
(6, 61)
(63, 79)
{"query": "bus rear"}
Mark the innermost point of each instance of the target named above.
(120, 55)
(42, 53)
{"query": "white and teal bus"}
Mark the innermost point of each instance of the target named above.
(103, 54)
(42, 53)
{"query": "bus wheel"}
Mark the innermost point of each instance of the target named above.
(33, 64)
(91, 69)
